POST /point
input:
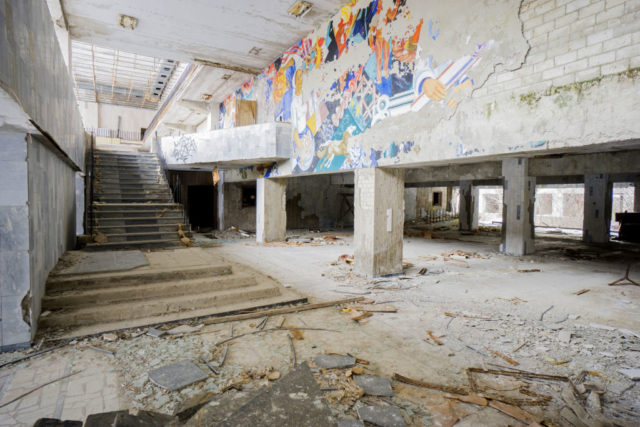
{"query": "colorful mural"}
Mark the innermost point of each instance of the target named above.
(393, 77)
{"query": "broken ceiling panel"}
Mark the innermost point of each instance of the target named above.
(113, 76)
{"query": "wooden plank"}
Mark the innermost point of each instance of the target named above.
(277, 311)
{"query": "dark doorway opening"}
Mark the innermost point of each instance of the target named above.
(200, 206)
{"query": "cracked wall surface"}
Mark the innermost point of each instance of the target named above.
(408, 82)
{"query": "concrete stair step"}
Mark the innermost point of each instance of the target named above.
(122, 154)
(62, 283)
(134, 221)
(132, 193)
(110, 168)
(156, 306)
(138, 214)
(135, 206)
(78, 298)
(129, 182)
(142, 199)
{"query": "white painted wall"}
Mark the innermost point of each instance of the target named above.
(96, 115)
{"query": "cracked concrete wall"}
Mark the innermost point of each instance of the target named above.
(531, 76)
(314, 202)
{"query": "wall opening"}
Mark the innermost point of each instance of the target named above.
(201, 206)
(248, 196)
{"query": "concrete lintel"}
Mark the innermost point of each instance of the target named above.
(197, 106)
(454, 173)
(583, 164)
(475, 182)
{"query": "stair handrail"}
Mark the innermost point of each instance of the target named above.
(91, 219)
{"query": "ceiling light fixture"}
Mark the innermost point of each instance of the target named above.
(300, 8)
(126, 21)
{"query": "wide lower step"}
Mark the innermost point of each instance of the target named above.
(81, 297)
(128, 176)
(63, 283)
(156, 306)
(133, 236)
(132, 187)
(98, 154)
(118, 229)
(136, 244)
(118, 161)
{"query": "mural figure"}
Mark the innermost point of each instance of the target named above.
(395, 78)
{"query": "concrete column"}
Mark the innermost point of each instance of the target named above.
(517, 212)
(636, 197)
(468, 209)
(598, 195)
(379, 221)
(271, 210)
(410, 203)
(220, 207)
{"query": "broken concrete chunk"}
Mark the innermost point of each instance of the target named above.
(374, 386)
(349, 422)
(565, 336)
(177, 375)
(184, 329)
(593, 402)
(110, 337)
(631, 373)
(327, 361)
(295, 400)
(383, 416)
(156, 333)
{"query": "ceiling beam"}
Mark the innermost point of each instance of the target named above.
(229, 67)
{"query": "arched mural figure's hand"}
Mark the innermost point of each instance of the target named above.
(434, 89)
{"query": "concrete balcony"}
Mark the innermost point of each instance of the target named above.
(236, 147)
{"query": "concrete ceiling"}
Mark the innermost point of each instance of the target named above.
(220, 31)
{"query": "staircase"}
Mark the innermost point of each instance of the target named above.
(132, 203)
(176, 284)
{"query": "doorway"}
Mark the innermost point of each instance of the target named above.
(200, 206)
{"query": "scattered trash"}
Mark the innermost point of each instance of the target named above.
(184, 329)
(110, 337)
(621, 281)
(531, 270)
(102, 350)
(545, 312)
(434, 338)
(581, 291)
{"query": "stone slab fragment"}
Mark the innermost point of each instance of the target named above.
(374, 386)
(97, 262)
(631, 373)
(383, 416)
(295, 400)
(327, 361)
(177, 375)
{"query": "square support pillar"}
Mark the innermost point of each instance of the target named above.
(468, 206)
(517, 212)
(636, 197)
(410, 203)
(379, 221)
(598, 195)
(271, 210)
(220, 207)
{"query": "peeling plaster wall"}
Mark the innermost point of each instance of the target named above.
(519, 76)
(34, 71)
(37, 200)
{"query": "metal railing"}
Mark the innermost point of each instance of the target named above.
(116, 133)
(439, 215)
(91, 219)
